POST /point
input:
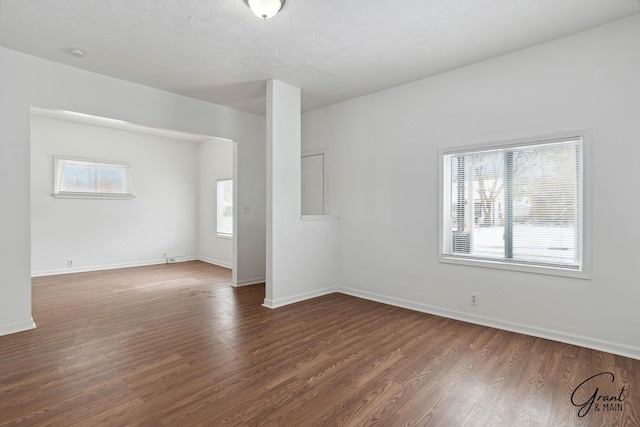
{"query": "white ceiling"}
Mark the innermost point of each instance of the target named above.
(218, 51)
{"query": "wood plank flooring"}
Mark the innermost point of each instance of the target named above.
(175, 345)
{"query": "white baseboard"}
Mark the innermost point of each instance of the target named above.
(17, 327)
(215, 262)
(595, 344)
(248, 282)
(600, 345)
(297, 298)
(84, 269)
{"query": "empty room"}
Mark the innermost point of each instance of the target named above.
(317, 213)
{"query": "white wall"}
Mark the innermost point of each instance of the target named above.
(215, 163)
(384, 171)
(301, 255)
(100, 234)
(27, 81)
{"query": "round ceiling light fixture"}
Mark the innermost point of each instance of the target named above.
(265, 9)
(78, 53)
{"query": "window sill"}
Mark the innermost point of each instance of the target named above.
(224, 236)
(319, 217)
(514, 266)
(102, 196)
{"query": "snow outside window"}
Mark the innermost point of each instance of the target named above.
(515, 206)
(225, 208)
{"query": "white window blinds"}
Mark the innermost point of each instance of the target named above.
(516, 204)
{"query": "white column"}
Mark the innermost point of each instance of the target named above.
(301, 255)
(283, 186)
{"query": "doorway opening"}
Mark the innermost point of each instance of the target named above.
(170, 216)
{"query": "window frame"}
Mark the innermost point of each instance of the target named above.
(58, 163)
(514, 265)
(222, 234)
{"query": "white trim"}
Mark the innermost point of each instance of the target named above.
(248, 282)
(219, 210)
(584, 244)
(325, 176)
(500, 264)
(582, 341)
(579, 340)
(96, 196)
(319, 217)
(309, 153)
(297, 298)
(517, 142)
(236, 218)
(217, 262)
(57, 177)
(17, 327)
(108, 122)
(85, 269)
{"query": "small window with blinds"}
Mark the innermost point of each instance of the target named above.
(515, 206)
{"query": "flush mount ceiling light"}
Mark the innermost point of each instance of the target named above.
(78, 53)
(265, 9)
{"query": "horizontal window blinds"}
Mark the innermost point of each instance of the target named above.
(516, 204)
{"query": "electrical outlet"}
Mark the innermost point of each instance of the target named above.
(473, 298)
(71, 262)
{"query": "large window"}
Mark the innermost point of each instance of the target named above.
(225, 208)
(517, 206)
(86, 178)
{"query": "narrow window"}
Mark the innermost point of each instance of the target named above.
(86, 178)
(515, 205)
(225, 208)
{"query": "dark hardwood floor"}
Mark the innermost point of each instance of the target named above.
(176, 345)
